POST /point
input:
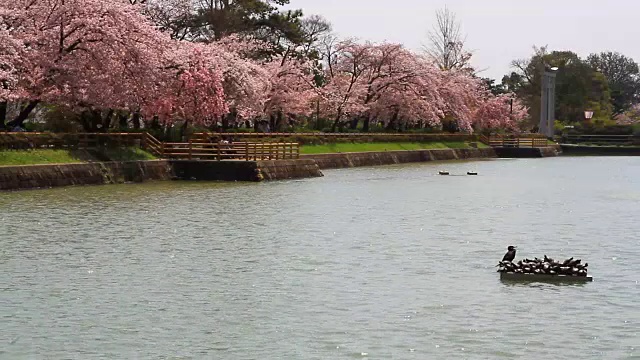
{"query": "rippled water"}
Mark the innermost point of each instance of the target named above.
(377, 263)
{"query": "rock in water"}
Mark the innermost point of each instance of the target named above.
(569, 267)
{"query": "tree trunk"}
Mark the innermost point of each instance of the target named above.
(3, 115)
(123, 121)
(392, 124)
(336, 122)
(136, 120)
(366, 124)
(225, 122)
(354, 124)
(85, 120)
(183, 129)
(280, 123)
(106, 123)
(24, 114)
(155, 123)
(318, 115)
(272, 122)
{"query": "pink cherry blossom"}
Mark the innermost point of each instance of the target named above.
(112, 55)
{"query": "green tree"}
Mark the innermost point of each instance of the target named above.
(496, 89)
(623, 76)
(578, 86)
(259, 19)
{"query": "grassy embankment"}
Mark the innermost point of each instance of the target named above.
(61, 156)
(382, 146)
(57, 156)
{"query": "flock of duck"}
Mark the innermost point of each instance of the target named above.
(446, 173)
(545, 266)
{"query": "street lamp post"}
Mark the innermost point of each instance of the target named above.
(548, 102)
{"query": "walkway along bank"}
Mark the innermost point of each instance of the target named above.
(259, 162)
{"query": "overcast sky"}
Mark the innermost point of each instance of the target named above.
(497, 30)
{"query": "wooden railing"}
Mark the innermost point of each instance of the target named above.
(231, 151)
(533, 141)
(190, 150)
(484, 139)
(28, 140)
(621, 140)
(255, 137)
(152, 145)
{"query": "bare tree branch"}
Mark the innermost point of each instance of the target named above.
(447, 43)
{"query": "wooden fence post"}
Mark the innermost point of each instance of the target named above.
(246, 151)
(190, 150)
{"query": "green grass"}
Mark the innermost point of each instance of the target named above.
(127, 154)
(59, 156)
(38, 156)
(379, 146)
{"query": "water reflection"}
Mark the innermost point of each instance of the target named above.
(541, 284)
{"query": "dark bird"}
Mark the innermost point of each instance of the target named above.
(510, 255)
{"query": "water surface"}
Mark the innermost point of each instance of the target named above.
(377, 263)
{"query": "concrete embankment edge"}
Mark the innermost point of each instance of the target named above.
(100, 173)
(521, 153)
(55, 175)
(348, 160)
(309, 166)
(583, 150)
(245, 170)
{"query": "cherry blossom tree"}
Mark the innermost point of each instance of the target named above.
(461, 94)
(80, 53)
(343, 94)
(102, 57)
(400, 86)
(192, 92)
(629, 117)
(504, 111)
(246, 81)
(381, 82)
(12, 58)
(292, 90)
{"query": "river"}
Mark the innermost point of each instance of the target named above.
(369, 263)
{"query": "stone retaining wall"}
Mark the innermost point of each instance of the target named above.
(519, 153)
(213, 170)
(45, 176)
(584, 150)
(347, 160)
(289, 169)
(245, 170)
